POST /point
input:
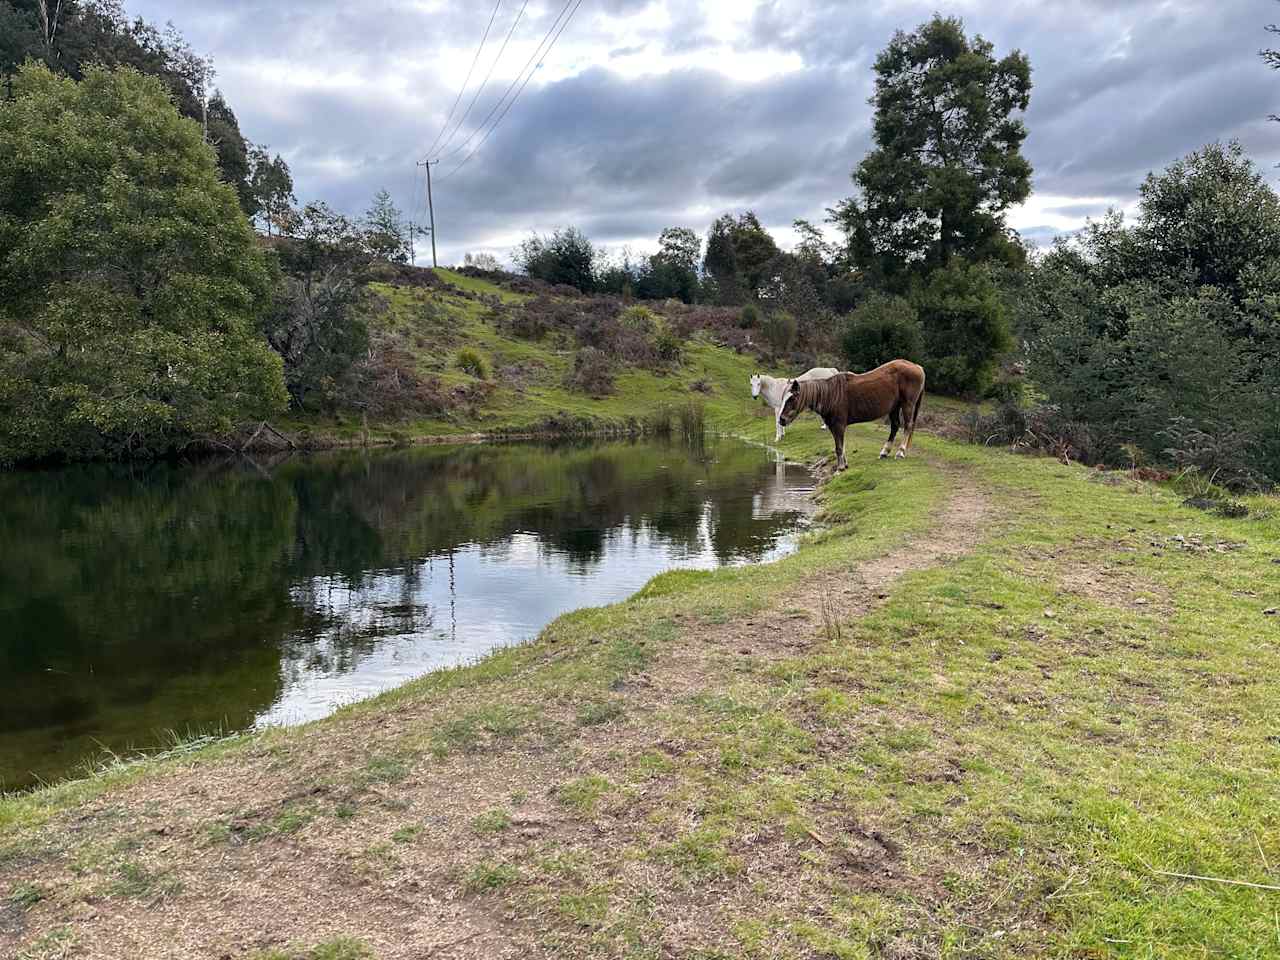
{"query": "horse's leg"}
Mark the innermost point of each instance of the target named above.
(837, 434)
(893, 431)
(778, 429)
(909, 411)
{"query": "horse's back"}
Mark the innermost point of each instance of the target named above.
(875, 393)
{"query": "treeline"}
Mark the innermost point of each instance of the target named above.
(1154, 341)
(138, 307)
(923, 269)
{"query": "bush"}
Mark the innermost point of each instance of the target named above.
(565, 257)
(470, 361)
(882, 329)
(779, 331)
(964, 325)
(592, 373)
(749, 319)
(668, 346)
(638, 318)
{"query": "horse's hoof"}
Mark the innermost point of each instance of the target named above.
(902, 455)
(883, 454)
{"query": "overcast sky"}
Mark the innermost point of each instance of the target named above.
(655, 113)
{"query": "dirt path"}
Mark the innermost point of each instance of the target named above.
(231, 857)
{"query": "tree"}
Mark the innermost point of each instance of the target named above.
(754, 248)
(721, 262)
(131, 285)
(70, 35)
(223, 134)
(1209, 219)
(482, 261)
(271, 187)
(385, 230)
(947, 162)
(316, 325)
(738, 251)
(566, 256)
(673, 270)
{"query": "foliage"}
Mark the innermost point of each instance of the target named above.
(482, 261)
(668, 345)
(964, 326)
(131, 285)
(270, 189)
(567, 257)
(84, 33)
(749, 318)
(317, 326)
(738, 250)
(592, 372)
(638, 318)
(385, 231)
(470, 361)
(673, 270)
(779, 332)
(947, 161)
(233, 153)
(883, 328)
(1169, 325)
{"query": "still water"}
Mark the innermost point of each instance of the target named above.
(140, 599)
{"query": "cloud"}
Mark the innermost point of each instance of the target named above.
(652, 113)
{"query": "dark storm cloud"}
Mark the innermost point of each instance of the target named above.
(1120, 88)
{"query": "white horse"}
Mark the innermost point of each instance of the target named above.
(774, 389)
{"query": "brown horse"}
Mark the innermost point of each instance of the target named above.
(895, 388)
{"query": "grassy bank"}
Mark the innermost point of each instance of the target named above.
(525, 377)
(992, 709)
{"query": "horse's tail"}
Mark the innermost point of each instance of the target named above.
(919, 404)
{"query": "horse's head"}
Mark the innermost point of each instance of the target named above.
(755, 385)
(790, 408)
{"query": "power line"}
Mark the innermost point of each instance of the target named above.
(515, 98)
(537, 54)
(463, 88)
(485, 82)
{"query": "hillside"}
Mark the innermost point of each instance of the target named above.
(524, 390)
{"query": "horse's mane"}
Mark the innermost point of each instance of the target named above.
(821, 396)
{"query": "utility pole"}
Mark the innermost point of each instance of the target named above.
(431, 207)
(413, 254)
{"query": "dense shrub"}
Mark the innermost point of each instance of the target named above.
(668, 346)
(779, 331)
(749, 319)
(882, 329)
(1163, 334)
(387, 385)
(964, 325)
(592, 373)
(639, 319)
(470, 361)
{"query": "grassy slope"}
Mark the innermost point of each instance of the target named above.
(1030, 731)
(512, 410)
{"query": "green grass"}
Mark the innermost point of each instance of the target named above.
(487, 875)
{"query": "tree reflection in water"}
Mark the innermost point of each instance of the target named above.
(140, 599)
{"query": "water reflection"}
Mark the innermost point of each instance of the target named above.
(139, 599)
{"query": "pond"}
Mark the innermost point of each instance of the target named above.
(141, 599)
